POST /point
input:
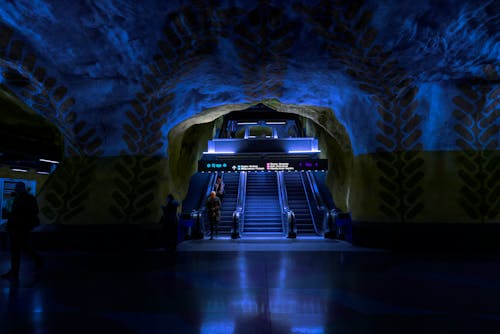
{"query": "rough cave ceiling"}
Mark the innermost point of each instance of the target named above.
(116, 75)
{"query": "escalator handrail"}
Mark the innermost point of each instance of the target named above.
(315, 191)
(286, 213)
(283, 192)
(240, 202)
(202, 207)
(320, 194)
(238, 213)
(309, 202)
(280, 198)
(318, 199)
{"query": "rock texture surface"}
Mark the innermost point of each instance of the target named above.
(404, 95)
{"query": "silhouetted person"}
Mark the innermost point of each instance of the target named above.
(170, 223)
(22, 219)
(213, 212)
(219, 188)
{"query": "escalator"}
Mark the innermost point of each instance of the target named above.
(326, 195)
(262, 205)
(298, 203)
(231, 182)
(307, 195)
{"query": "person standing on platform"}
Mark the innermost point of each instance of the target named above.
(170, 223)
(219, 187)
(213, 212)
(22, 219)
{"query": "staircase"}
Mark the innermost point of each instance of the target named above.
(231, 182)
(262, 205)
(297, 202)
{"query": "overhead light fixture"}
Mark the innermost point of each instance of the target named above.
(223, 152)
(276, 123)
(247, 123)
(43, 173)
(310, 151)
(49, 161)
(19, 170)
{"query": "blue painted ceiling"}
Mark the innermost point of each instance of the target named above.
(116, 75)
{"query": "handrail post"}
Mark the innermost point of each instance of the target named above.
(235, 233)
(292, 227)
(198, 232)
(330, 230)
(343, 224)
(240, 206)
(289, 228)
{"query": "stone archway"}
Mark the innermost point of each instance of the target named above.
(188, 139)
(27, 137)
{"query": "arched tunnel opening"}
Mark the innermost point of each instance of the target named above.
(109, 106)
(409, 127)
(276, 129)
(31, 149)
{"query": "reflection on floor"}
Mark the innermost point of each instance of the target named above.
(341, 289)
(256, 244)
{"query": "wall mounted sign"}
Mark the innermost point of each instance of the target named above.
(261, 166)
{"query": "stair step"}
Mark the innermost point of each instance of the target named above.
(263, 220)
(276, 230)
(263, 217)
(263, 226)
(262, 206)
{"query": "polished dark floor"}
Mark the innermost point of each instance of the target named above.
(200, 290)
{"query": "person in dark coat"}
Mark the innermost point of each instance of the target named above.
(213, 212)
(170, 223)
(22, 219)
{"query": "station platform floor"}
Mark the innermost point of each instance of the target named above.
(254, 286)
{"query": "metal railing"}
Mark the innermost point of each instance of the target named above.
(199, 215)
(287, 215)
(319, 205)
(340, 225)
(290, 222)
(313, 218)
(330, 227)
(239, 212)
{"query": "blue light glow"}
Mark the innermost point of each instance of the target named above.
(310, 151)
(436, 108)
(37, 310)
(307, 330)
(216, 327)
(220, 152)
(36, 11)
(103, 52)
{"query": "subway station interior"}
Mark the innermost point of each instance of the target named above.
(358, 143)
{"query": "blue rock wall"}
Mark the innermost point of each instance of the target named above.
(129, 71)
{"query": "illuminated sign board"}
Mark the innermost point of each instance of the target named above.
(261, 166)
